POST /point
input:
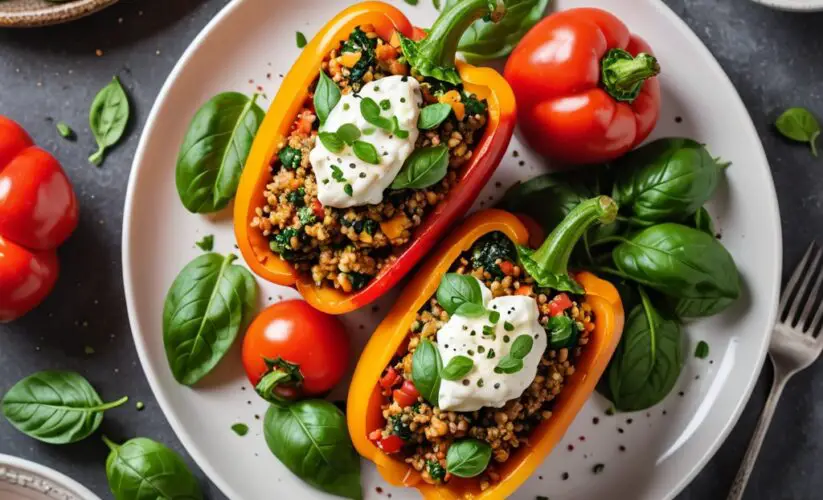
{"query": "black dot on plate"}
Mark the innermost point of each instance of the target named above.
(522, 163)
(678, 119)
(595, 420)
(564, 476)
(620, 430)
(621, 448)
(629, 421)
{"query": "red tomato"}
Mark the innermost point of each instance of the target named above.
(292, 350)
(317, 208)
(389, 379)
(559, 304)
(391, 444)
(407, 394)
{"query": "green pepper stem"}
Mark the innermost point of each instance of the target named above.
(440, 46)
(623, 74)
(554, 254)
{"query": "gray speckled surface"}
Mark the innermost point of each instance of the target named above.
(773, 58)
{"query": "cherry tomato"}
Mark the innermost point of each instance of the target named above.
(559, 304)
(292, 350)
(389, 379)
(317, 208)
(407, 394)
(391, 444)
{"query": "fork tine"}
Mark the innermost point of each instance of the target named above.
(812, 305)
(799, 298)
(793, 281)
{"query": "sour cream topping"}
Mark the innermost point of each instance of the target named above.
(361, 183)
(462, 336)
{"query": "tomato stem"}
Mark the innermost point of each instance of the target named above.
(623, 75)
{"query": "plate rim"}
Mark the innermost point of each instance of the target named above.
(809, 6)
(179, 428)
(48, 474)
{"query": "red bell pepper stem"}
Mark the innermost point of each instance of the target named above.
(623, 74)
(554, 254)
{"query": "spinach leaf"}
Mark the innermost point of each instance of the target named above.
(433, 115)
(665, 180)
(108, 117)
(360, 42)
(461, 294)
(562, 332)
(799, 124)
(214, 151)
(648, 360)
(457, 367)
(425, 167)
(491, 247)
(207, 305)
(486, 40)
(55, 407)
(326, 96)
(683, 263)
(142, 469)
(468, 458)
(426, 368)
(311, 439)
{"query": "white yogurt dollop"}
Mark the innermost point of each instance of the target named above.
(462, 336)
(400, 96)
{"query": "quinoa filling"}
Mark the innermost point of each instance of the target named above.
(421, 433)
(346, 248)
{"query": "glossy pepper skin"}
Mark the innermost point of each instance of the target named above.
(363, 407)
(585, 87)
(489, 150)
(38, 211)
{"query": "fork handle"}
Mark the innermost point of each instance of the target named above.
(749, 459)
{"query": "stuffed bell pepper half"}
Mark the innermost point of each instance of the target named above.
(377, 141)
(486, 358)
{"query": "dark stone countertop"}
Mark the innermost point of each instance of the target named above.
(773, 58)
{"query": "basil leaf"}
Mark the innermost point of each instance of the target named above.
(214, 151)
(311, 439)
(544, 279)
(142, 469)
(486, 40)
(348, 133)
(326, 96)
(425, 167)
(64, 130)
(688, 265)
(426, 368)
(702, 221)
(207, 305)
(456, 290)
(331, 141)
(508, 365)
(396, 130)
(800, 125)
(667, 179)
(433, 115)
(470, 310)
(55, 407)
(648, 360)
(206, 243)
(702, 350)
(300, 38)
(522, 346)
(457, 367)
(108, 117)
(366, 152)
(562, 332)
(371, 113)
(468, 458)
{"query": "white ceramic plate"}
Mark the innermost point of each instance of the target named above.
(252, 42)
(795, 5)
(24, 480)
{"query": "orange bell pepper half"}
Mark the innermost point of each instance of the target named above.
(365, 399)
(489, 150)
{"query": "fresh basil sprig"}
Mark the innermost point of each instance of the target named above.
(371, 113)
(55, 407)
(425, 167)
(513, 361)
(427, 366)
(207, 305)
(433, 115)
(468, 458)
(461, 294)
(326, 96)
(457, 368)
(799, 124)
(311, 439)
(142, 469)
(214, 151)
(108, 117)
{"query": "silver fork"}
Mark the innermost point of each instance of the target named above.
(796, 343)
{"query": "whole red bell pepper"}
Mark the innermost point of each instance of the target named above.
(586, 87)
(38, 211)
